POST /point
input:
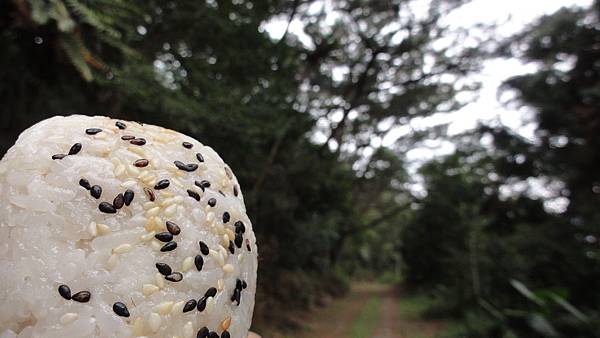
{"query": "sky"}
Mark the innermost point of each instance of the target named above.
(511, 16)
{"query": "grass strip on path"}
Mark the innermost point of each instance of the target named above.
(366, 322)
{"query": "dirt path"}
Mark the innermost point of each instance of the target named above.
(335, 320)
(340, 319)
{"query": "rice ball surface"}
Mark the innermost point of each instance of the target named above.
(119, 229)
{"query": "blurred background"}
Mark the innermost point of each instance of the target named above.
(413, 168)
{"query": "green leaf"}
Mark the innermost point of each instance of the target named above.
(63, 19)
(76, 52)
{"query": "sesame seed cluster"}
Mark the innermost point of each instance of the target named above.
(151, 228)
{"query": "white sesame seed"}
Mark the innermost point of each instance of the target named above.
(68, 318)
(123, 248)
(210, 305)
(187, 264)
(210, 217)
(177, 308)
(241, 258)
(168, 202)
(103, 229)
(223, 252)
(148, 236)
(152, 212)
(92, 229)
(129, 184)
(170, 210)
(225, 241)
(225, 323)
(228, 268)
(137, 150)
(112, 262)
(166, 194)
(138, 326)
(220, 284)
(132, 170)
(156, 245)
(230, 234)
(188, 330)
(148, 289)
(149, 205)
(217, 257)
(179, 199)
(154, 321)
(176, 182)
(164, 308)
(119, 170)
(160, 280)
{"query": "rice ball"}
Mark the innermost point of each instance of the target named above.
(119, 229)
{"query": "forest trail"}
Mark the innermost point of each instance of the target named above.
(371, 311)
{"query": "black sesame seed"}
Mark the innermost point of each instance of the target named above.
(199, 157)
(187, 145)
(211, 292)
(193, 194)
(174, 277)
(64, 291)
(235, 190)
(202, 333)
(169, 247)
(238, 284)
(238, 296)
(189, 305)
(138, 141)
(127, 137)
(85, 183)
(96, 191)
(222, 193)
(199, 262)
(238, 240)
(201, 305)
(240, 227)
(231, 247)
(244, 284)
(119, 201)
(120, 125)
(150, 194)
(107, 208)
(93, 131)
(142, 162)
(225, 334)
(213, 334)
(204, 248)
(58, 156)
(226, 217)
(248, 245)
(212, 201)
(162, 184)
(228, 173)
(120, 309)
(173, 228)
(164, 268)
(82, 296)
(128, 196)
(76, 148)
(202, 184)
(164, 236)
(186, 167)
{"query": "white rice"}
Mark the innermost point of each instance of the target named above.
(53, 233)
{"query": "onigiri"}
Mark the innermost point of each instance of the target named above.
(112, 228)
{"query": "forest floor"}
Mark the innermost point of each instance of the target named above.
(372, 310)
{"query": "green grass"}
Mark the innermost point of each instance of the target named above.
(412, 307)
(367, 320)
